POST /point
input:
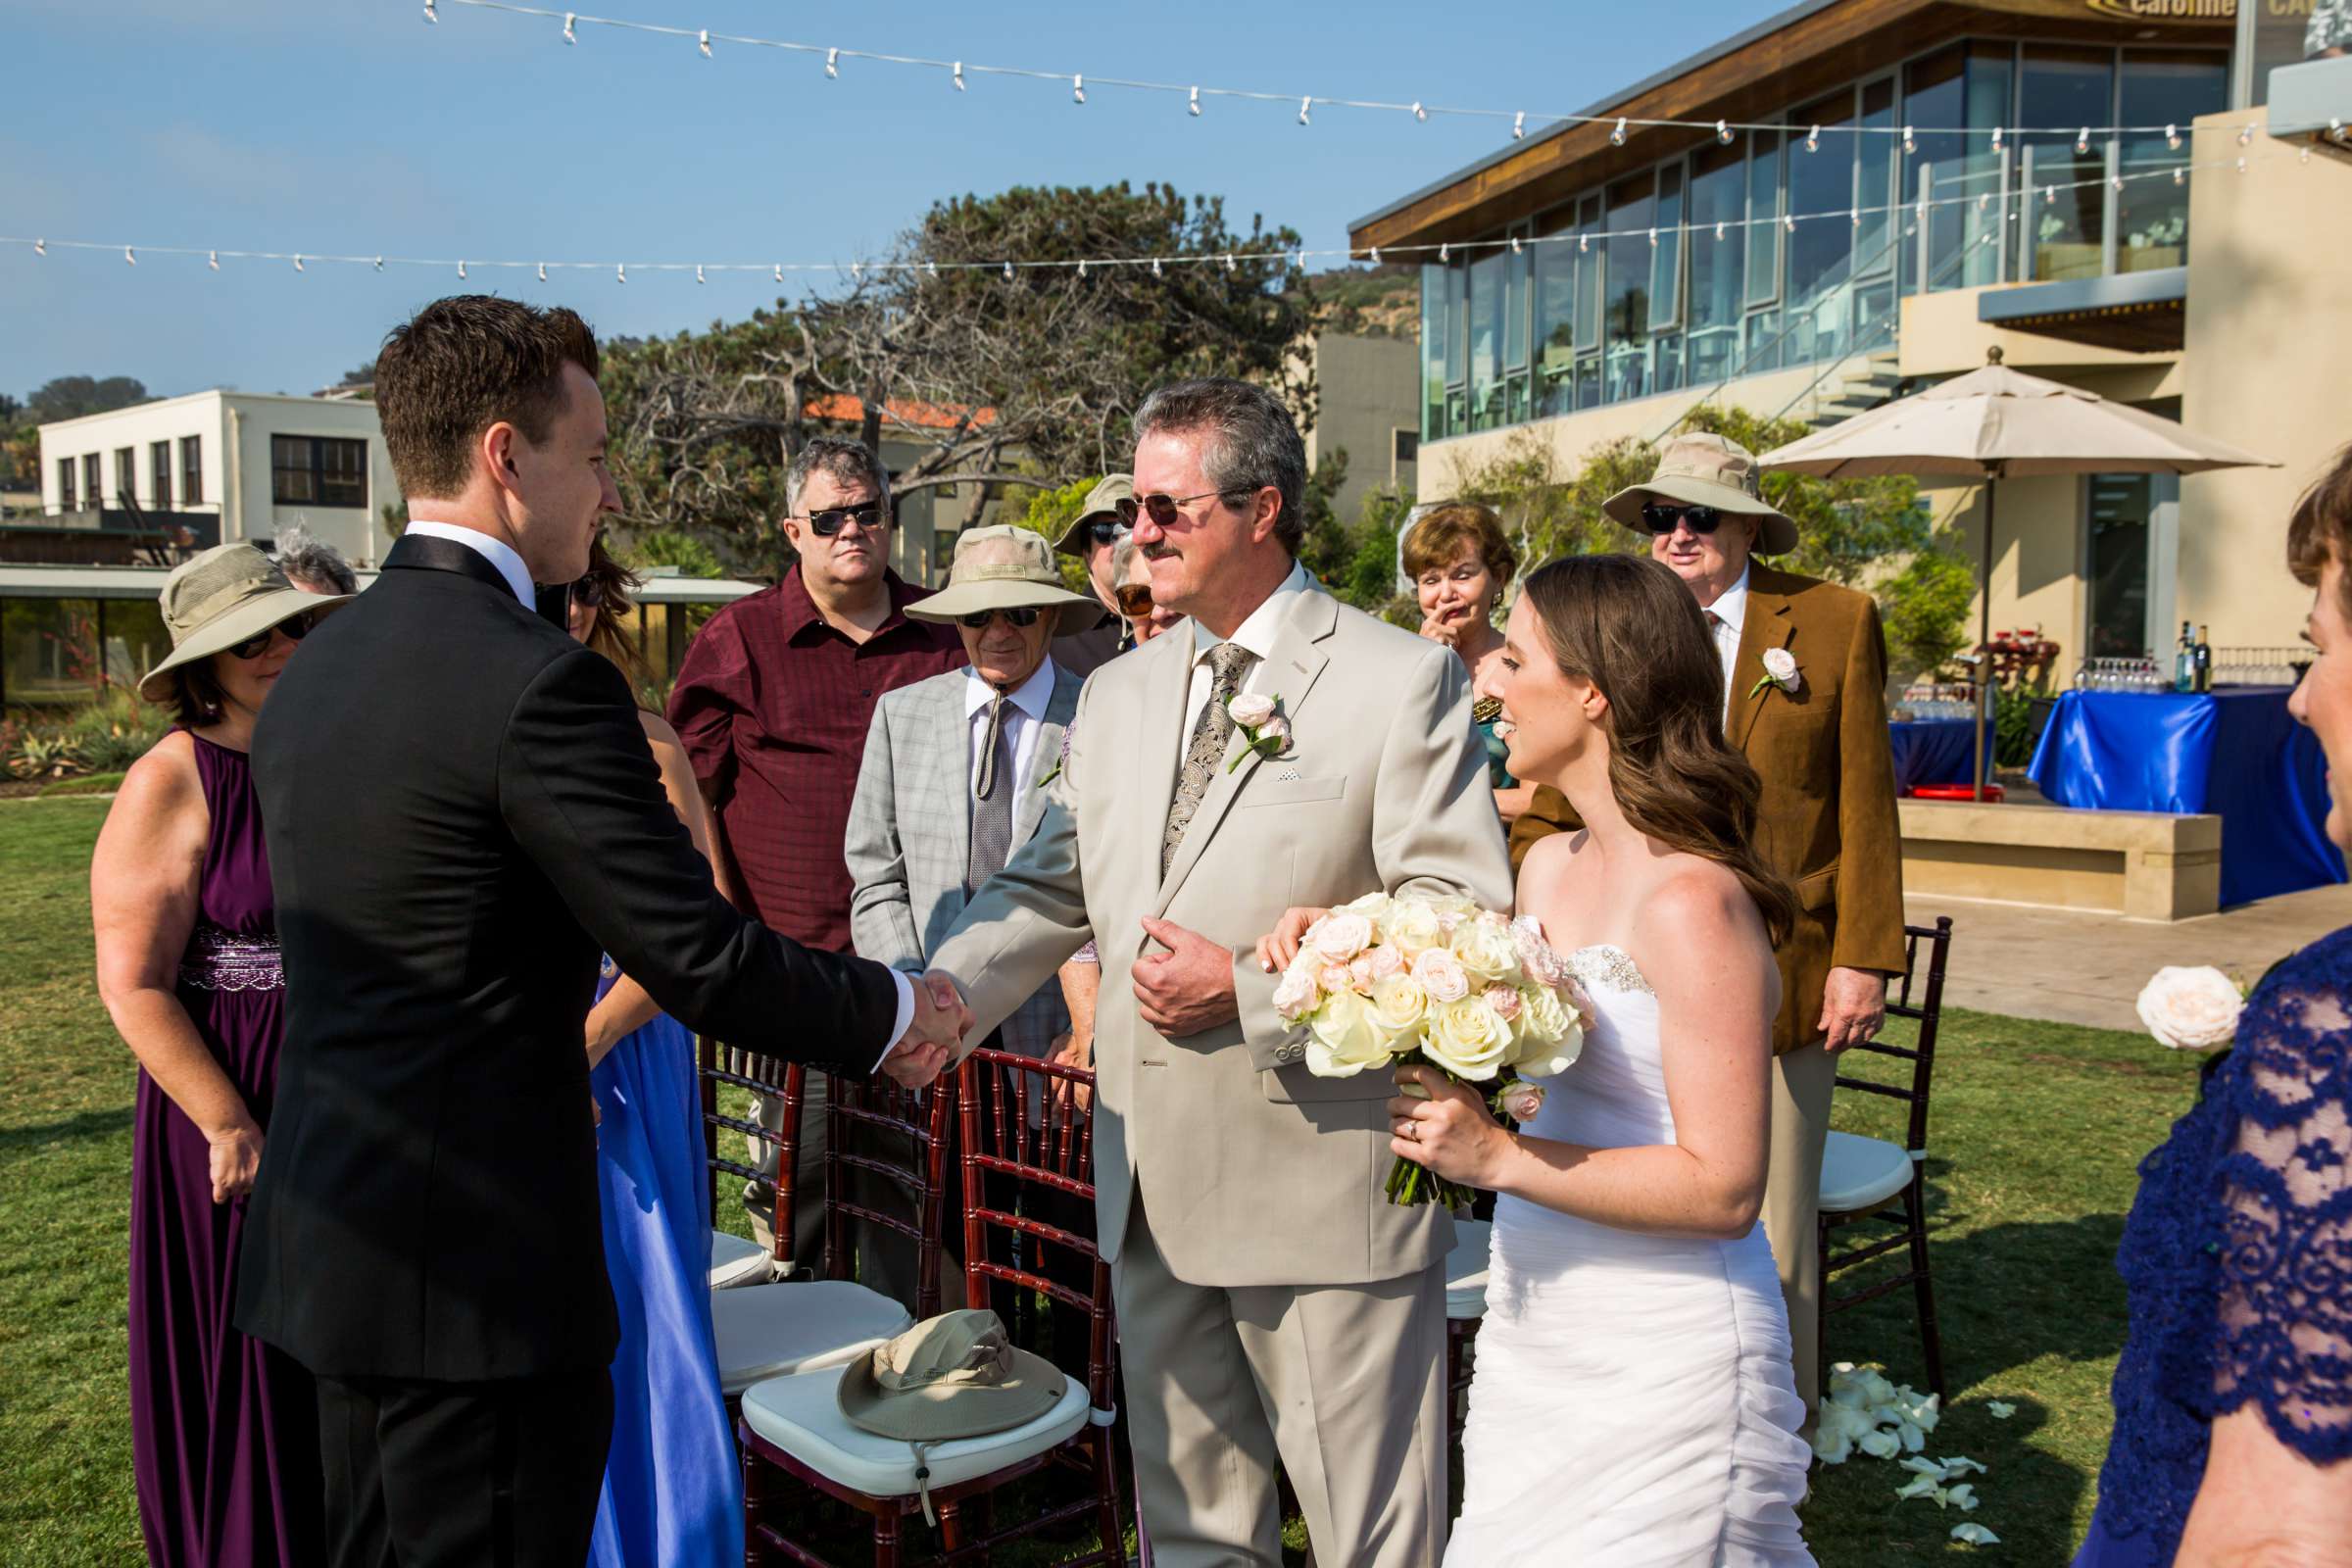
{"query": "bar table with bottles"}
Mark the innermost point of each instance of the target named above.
(2205, 731)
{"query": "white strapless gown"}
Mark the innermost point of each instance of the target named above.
(1634, 1405)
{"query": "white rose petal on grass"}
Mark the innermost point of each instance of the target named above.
(1879, 1444)
(1468, 1039)
(1781, 665)
(1975, 1535)
(1340, 937)
(1931, 1468)
(1916, 1487)
(2190, 1009)
(1962, 1496)
(1963, 1465)
(1999, 1409)
(1251, 710)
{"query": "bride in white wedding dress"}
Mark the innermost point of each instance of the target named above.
(1633, 1404)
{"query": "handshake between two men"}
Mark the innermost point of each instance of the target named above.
(934, 1042)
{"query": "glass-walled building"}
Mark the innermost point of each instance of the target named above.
(1753, 251)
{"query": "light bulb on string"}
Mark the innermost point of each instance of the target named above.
(1617, 136)
(1723, 133)
(40, 247)
(1008, 271)
(698, 274)
(833, 64)
(380, 264)
(1856, 214)
(212, 259)
(1155, 272)
(958, 77)
(620, 272)
(1997, 140)
(2172, 137)
(1719, 228)
(856, 272)
(1303, 105)
(1653, 239)
(298, 266)
(1080, 268)
(460, 272)
(1584, 244)
(2050, 195)
(1193, 104)
(2082, 142)
(1229, 260)
(1519, 125)
(2245, 135)
(542, 271)
(1078, 88)
(703, 43)
(430, 14)
(780, 271)
(1813, 140)
(1910, 144)
(2180, 176)
(1375, 256)
(1981, 198)
(1515, 241)
(1789, 223)
(1445, 254)
(2116, 183)
(570, 36)
(2242, 165)
(1420, 112)
(931, 269)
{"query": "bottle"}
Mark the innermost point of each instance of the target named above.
(2184, 662)
(2204, 660)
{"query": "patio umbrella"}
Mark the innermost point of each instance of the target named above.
(1994, 423)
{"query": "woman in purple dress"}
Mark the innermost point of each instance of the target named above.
(223, 1440)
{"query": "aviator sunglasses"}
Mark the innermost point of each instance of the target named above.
(978, 619)
(296, 628)
(1164, 509)
(1658, 516)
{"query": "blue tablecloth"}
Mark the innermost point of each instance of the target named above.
(2233, 753)
(1933, 751)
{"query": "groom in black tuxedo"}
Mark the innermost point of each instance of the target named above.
(461, 812)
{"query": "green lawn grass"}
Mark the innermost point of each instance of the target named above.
(2038, 1130)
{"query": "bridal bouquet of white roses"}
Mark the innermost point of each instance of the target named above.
(1474, 994)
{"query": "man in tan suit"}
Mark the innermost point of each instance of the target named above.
(1274, 1309)
(1827, 821)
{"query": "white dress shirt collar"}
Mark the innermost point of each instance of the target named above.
(1257, 630)
(1732, 607)
(1032, 696)
(496, 551)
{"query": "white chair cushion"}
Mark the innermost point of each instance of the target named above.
(771, 1331)
(1466, 1269)
(736, 1260)
(800, 1415)
(1859, 1173)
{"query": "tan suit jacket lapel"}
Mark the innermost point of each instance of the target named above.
(1767, 625)
(1291, 673)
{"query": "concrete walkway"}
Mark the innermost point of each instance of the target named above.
(2078, 966)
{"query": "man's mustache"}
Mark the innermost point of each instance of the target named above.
(1159, 550)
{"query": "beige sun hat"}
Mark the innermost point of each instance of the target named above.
(218, 597)
(953, 1376)
(1101, 500)
(1004, 567)
(1701, 468)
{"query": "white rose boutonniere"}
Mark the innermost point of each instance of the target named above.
(1259, 720)
(1780, 669)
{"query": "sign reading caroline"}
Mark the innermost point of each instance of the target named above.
(2204, 12)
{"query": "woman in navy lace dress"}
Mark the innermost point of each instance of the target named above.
(2233, 1396)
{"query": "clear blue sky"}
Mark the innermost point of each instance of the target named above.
(350, 125)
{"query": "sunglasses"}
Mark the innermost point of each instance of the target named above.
(295, 627)
(1659, 518)
(830, 522)
(978, 619)
(1111, 531)
(1134, 600)
(1163, 509)
(587, 594)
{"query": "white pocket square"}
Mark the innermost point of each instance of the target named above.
(1289, 775)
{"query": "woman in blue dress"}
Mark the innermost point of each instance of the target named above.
(2233, 1395)
(673, 1493)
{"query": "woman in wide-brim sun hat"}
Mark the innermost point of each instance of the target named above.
(224, 1441)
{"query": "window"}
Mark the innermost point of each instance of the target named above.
(1404, 447)
(65, 485)
(2065, 190)
(2116, 572)
(1718, 254)
(317, 471)
(1968, 86)
(89, 481)
(1486, 339)
(1633, 207)
(158, 473)
(127, 479)
(1555, 291)
(1432, 352)
(2151, 216)
(1763, 208)
(192, 471)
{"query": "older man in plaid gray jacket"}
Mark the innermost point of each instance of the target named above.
(954, 778)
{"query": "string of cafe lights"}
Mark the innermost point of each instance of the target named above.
(1521, 121)
(1009, 267)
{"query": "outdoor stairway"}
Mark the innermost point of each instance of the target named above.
(1860, 385)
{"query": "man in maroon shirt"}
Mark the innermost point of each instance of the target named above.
(773, 703)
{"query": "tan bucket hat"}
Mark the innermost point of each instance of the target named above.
(1102, 500)
(218, 597)
(952, 1376)
(1703, 469)
(1004, 567)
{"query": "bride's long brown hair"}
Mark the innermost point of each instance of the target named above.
(1631, 627)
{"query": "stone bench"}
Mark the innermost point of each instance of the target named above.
(2146, 865)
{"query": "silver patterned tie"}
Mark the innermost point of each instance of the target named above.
(1228, 663)
(992, 802)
